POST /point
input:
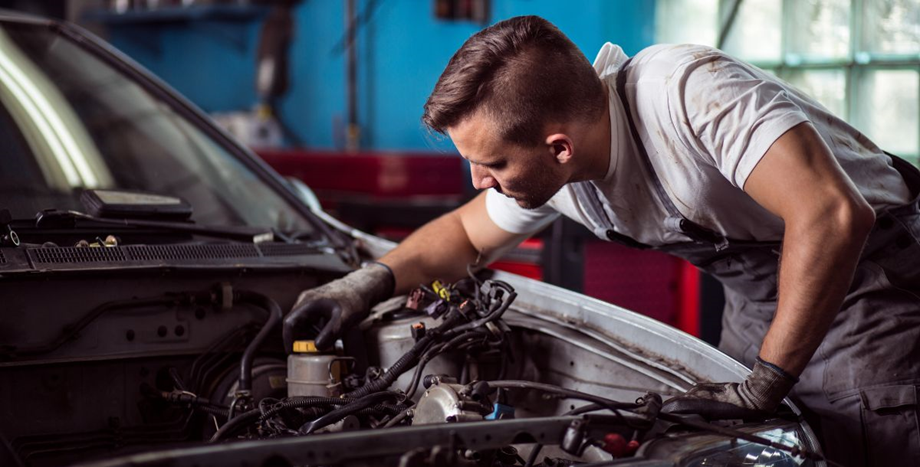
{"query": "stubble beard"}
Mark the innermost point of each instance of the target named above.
(538, 188)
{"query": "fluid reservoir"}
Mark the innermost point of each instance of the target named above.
(311, 373)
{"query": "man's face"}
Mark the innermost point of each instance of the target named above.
(529, 175)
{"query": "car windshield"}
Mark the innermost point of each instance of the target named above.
(69, 121)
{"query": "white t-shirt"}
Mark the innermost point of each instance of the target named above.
(705, 120)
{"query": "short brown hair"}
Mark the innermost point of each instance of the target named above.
(525, 73)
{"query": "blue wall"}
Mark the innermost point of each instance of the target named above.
(402, 51)
(210, 62)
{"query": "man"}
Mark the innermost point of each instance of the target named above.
(685, 150)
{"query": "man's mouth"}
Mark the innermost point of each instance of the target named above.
(506, 195)
(501, 192)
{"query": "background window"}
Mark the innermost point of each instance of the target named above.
(859, 58)
(888, 99)
(891, 27)
(819, 30)
(760, 40)
(686, 21)
(829, 87)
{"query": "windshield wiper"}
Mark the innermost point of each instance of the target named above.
(53, 219)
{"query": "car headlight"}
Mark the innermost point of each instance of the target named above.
(744, 453)
(702, 449)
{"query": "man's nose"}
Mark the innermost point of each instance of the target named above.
(482, 179)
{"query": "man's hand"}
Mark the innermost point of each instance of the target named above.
(338, 305)
(441, 249)
(759, 394)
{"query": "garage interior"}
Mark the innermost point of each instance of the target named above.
(330, 92)
(150, 350)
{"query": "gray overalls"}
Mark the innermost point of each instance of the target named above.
(859, 391)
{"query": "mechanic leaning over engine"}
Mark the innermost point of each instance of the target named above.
(811, 228)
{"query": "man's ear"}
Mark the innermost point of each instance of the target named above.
(561, 147)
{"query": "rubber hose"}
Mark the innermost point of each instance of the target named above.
(236, 423)
(407, 361)
(274, 317)
(344, 411)
(254, 415)
(223, 413)
(302, 402)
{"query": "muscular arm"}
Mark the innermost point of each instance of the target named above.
(827, 222)
(442, 248)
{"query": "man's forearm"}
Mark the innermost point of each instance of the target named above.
(440, 249)
(816, 269)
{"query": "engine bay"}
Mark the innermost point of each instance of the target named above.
(442, 357)
(451, 374)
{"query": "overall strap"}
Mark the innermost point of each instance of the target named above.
(588, 192)
(675, 221)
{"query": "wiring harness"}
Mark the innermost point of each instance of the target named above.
(469, 314)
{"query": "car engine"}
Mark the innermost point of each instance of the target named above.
(442, 355)
(194, 378)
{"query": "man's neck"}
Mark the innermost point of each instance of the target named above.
(597, 145)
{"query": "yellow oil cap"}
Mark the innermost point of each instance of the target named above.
(305, 347)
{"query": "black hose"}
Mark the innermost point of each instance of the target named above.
(346, 410)
(385, 409)
(408, 360)
(569, 393)
(274, 317)
(449, 328)
(614, 406)
(236, 423)
(419, 368)
(214, 356)
(216, 411)
(254, 415)
(433, 352)
(533, 455)
(301, 402)
(492, 316)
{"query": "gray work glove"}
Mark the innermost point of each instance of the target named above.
(337, 305)
(759, 395)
